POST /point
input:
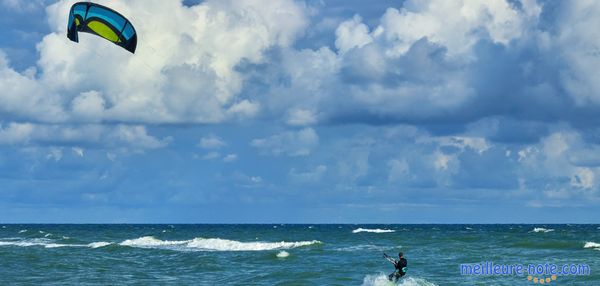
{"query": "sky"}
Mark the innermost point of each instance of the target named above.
(315, 111)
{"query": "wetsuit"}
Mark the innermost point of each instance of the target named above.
(400, 269)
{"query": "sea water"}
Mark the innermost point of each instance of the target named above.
(287, 254)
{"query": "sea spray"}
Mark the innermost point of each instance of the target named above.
(283, 254)
(376, 230)
(541, 229)
(382, 280)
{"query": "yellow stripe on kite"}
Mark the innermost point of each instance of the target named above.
(103, 31)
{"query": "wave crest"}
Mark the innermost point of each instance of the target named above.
(372, 230)
(47, 243)
(213, 244)
(591, 244)
(541, 229)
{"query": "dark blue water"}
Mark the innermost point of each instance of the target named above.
(287, 254)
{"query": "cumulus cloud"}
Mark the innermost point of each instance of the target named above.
(132, 136)
(461, 95)
(416, 65)
(184, 67)
(301, 117)
(290, 143)
(578, 42)
(352, 34)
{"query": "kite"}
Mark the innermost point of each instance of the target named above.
(101, 21)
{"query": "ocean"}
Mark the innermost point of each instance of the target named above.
(282, 254)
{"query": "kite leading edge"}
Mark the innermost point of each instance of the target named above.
(101, 21)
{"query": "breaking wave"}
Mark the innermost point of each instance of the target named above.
(98, 244)
(381, 279)
(593, 245)
(375, 230)
(46, 243)
(213, 244)
(541, 229)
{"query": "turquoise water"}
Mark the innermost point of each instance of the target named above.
(286, 254)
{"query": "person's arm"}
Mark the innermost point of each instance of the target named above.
(390, 259)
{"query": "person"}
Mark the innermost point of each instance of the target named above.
(400, 266)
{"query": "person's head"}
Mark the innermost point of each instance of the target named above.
(400, 254)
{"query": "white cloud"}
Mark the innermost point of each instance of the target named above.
(299, 143)
(55, 154)
(309, 176)
(184, 69)
(354, 164)
(458, 30)
(23, 96)
(577, 42)
(478, 144)
(128, 136)
(77, 151)
(247, 181)
(137, 137)
(16, 133)
(89, 106)
(583, 178)
(556, 161)
(301, 117)
(352, 34)
(441, 161)
(230, 158)
(399, 170)
(23, 5)
(211, 142)
(211, 156)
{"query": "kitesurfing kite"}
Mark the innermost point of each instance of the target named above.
(101, 21)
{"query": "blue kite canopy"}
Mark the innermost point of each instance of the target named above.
(101, 21)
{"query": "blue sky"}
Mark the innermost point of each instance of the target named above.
(303, 111)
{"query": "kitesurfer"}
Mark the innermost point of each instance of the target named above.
(399, 264)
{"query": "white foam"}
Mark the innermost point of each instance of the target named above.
(283, 254)
(56, 245)
(541, 229)
(47, 234)
(382, 279)
(468, 228)
(213, 244)
(47, 243)
(150, 241)
(99, 244)
(591, 244)
(22, 231)
(376, 230)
